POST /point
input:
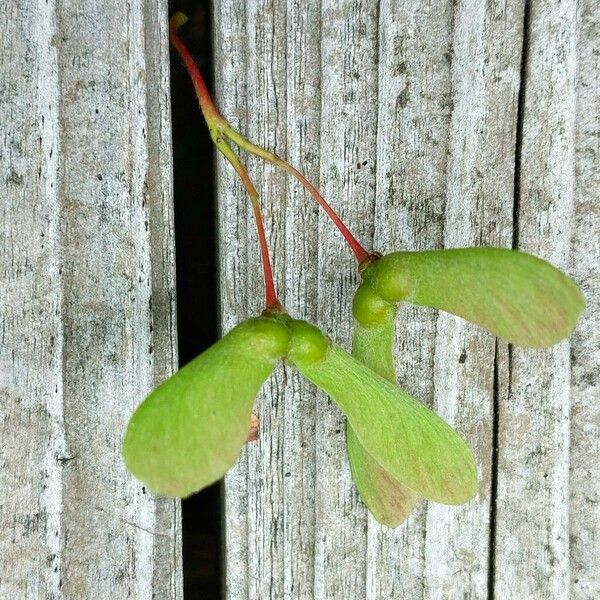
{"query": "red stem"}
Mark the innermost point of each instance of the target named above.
(360, 253)
(209, 110)
(218, 125)
(272, 300)
(213, 120)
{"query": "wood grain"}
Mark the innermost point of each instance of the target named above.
(87, 295)
(415, 100)
(348, 129)
(532, 540)
(486, 60)
(425, 125)
(584, 485)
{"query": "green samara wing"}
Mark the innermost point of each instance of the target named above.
(389, 501)
(407, 439)
(189, 431)
(518, 297)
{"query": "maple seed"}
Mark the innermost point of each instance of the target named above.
(520, 298)
(189, 431)
(191, 428)
(514, 295)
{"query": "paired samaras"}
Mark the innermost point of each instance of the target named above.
(190, 429)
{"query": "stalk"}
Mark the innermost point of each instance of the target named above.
(219, 128)
(215, 123)
(245, 144)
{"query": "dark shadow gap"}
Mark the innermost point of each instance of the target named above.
(515, 243)
(494, 479)
(520, 119)
(197, 298)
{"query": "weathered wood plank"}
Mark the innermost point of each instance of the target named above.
(87, 297)
(417, 97)
(234, 270)
(33, 448)
(348, 147)
(303, 110)
(266, 123)
(428, 96)
(291, 444)
(415, 102)
(486, 61)
(584, 516)
(532, 540)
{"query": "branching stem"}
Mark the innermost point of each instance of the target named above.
(245, 144)
(215, 123)
(220, 132)
(225, 149)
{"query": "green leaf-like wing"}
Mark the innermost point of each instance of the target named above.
(407, 439)
(518, 297)
(189, 431)
(373, 347)
(389, 501)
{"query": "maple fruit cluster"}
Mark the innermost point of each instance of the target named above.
(190, 430)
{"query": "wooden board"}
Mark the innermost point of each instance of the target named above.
(532, 516)
(584, 488)
(86, 296)
(425, 125)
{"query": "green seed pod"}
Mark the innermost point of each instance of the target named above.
(307, 343)
(402, 435)
(189, 431)
(516, 296)
(371, 310)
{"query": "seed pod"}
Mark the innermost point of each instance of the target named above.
(189, 431)
(516, 296)
(402, 435)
